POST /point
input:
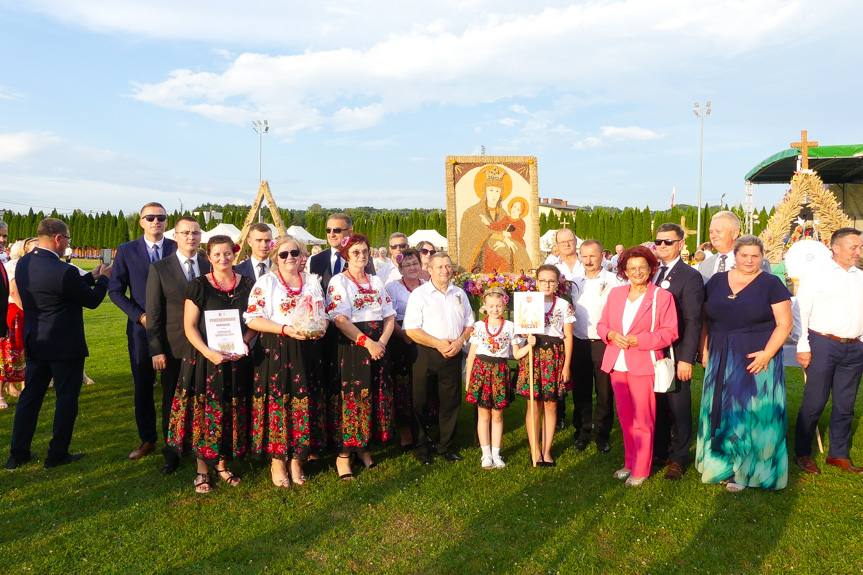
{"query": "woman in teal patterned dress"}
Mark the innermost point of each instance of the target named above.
(743, 422)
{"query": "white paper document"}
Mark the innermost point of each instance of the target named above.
(224, 332)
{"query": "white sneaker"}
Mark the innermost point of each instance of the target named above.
(497, 462)
(486, 462)
(622, 473)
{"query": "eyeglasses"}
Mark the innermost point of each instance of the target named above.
(152, 217)
(398, 246)
(546, 282)
(566, 242)
(358, 253)
(411, 264)
(426, 251)
(666, 242)
(293, 253)
(68, 238)
(642, 269)
(336, 230)
(188, 233)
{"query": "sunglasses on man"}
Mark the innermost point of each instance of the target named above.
(336, 230)
(152, 217)
(666, 242)
(398, 246)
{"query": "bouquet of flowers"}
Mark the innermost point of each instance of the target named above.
(476, 283)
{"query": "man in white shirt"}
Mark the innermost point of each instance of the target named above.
(830, 350)
(618, 249)
(570, 267)
(439, 319)
(724, 231)
(258, 263)
(388, 270)
(589, 295)
(4, 239)
(554, 257)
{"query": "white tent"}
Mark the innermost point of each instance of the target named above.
(302, 235)
(428, 236)
(547, 240)
(222, 229)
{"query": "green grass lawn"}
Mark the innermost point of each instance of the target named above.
(108, 514)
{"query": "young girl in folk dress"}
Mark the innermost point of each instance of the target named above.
(488, 384)
(551, 359)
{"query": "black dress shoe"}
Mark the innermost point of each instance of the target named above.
(560, 426)
(171, 465)
(602, 446)
(70, 458)
(580, 444)
(423, 458)
(12, 464)
(451, 455)
(407, 447)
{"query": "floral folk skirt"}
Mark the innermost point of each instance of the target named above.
(490, 386)
(209, 414)
(548, 360)
(365, 411)
(12, 347)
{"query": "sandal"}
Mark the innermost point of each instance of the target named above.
(732, 487)
(299, 478)
(202, 483)
(3, 404)
(349, 476)
(231, 479)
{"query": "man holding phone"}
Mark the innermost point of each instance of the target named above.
(128, 289)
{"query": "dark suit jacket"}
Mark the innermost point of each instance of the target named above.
(244, 268)
(166, 300)
(54, 295)
(320, 265)
(131, 266)
(687, 287)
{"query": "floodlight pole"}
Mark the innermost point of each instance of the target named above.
(701, 113)
(261, 127)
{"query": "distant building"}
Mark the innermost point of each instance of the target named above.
(558, 207)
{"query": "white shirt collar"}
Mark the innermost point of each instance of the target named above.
(672, 264)
(151, 244)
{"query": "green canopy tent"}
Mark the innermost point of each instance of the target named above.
(839, 166)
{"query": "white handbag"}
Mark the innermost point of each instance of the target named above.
(663, 369)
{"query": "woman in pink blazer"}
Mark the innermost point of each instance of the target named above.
(625, 327)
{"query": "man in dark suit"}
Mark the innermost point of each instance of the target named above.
(53, 294)
(131, 267)
(328, 263)
(673, 433)
(258, 263)
(166, 299)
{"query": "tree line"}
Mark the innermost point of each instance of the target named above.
(631, 226)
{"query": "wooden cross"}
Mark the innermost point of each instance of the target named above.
(686, 232)
(804, 146)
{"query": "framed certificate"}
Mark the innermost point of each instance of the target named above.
(529, 310)
(224, 332)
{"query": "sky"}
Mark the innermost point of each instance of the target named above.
(108, 104)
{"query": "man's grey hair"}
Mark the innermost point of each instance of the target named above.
(748, 240)
(437, 255)
(588, 243)
(3, 224)
(397, 235)
(730, 216)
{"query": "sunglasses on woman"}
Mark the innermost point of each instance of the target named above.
(426, 251)
(293, 253)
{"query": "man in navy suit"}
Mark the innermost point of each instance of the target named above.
(258, 263)
(166, 299)
(672, 438)
(328, 263)
(53, 294)
(131, 266)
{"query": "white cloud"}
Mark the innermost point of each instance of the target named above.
(588, 142)
(9, 94)
(494, 55)
(508, 122)
(629, 133)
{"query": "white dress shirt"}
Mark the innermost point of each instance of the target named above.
(256, 267)
(441, 315)
(589, 296)
(831, 302)
(149, 244)
(185, 267)
(388, 272)
(667, 268)
(729, 261)
(568, 273)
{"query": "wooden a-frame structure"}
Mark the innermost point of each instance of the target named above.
(263, 192)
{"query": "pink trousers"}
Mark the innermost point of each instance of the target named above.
(636, 410)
